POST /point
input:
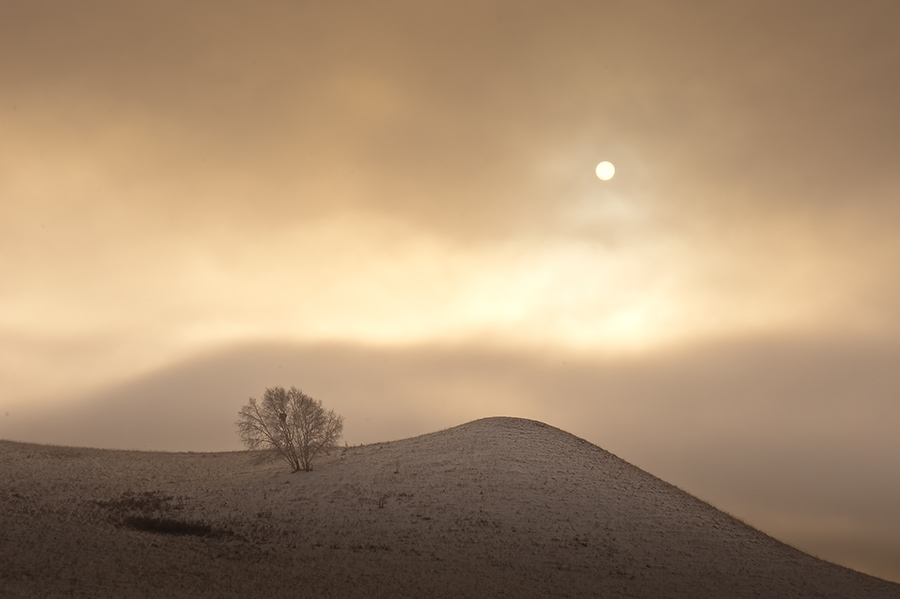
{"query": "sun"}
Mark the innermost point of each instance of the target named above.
(606, 170)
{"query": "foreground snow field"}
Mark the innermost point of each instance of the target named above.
(500, 507)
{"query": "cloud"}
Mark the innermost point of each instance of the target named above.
(441, 116)
(122, 304)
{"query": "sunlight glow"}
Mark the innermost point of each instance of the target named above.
(386, 283)
(605, 171)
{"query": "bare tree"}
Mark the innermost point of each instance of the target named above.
(289, 424)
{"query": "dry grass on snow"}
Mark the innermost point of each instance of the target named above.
(500, 507)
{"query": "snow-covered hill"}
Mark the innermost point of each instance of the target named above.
(499, 507)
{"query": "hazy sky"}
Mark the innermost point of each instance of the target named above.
(393, 206)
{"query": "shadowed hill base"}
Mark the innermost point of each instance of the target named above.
(500, 507)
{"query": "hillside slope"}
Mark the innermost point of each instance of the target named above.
(500, 507)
